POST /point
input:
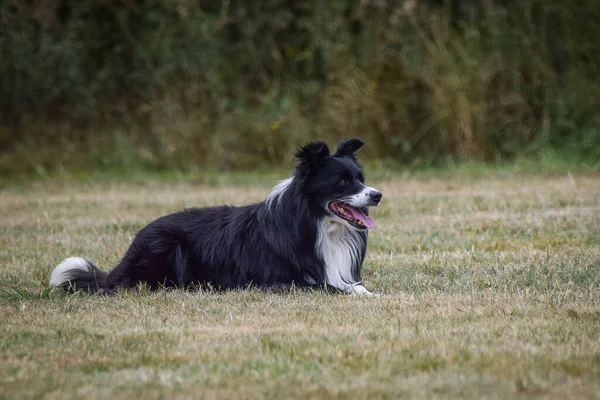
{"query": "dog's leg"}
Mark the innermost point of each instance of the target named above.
(181, 266)
(359, 290)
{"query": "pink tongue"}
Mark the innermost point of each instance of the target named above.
(357, 214)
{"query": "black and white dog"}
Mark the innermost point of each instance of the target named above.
(311, 231)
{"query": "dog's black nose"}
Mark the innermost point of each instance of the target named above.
(375, 196)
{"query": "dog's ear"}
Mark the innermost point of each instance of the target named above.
(312, 153)
(348, 147)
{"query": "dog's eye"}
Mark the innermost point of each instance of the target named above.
(344, 182)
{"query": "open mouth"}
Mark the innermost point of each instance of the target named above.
(353, 215)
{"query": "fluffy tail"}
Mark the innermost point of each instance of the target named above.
(77, 273)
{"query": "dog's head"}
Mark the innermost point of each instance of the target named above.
(337, 183)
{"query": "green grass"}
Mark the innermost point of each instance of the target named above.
(544, 163)
(490, 283)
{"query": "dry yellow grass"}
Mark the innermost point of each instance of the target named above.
(491, 289)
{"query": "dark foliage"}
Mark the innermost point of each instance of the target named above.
(179, 83)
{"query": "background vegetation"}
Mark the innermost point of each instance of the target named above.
(238, 84)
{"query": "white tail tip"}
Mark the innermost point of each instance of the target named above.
(62, 272)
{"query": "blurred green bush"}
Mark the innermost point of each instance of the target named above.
(237, 84)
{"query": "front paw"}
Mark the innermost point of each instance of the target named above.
(360, 290)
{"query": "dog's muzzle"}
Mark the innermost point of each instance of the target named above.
(374, 197)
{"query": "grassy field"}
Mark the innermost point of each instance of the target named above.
(491, 289)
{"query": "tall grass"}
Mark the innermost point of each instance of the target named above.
(237, 84)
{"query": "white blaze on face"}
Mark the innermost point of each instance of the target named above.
(361, 199)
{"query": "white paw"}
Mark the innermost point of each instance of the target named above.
(360, 290)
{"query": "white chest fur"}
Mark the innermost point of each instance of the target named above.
(339, 247)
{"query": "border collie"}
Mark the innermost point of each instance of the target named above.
(311, 231)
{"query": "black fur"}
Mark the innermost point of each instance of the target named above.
(269, 244)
